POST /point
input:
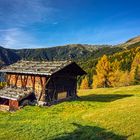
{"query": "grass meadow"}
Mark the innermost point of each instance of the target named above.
(99, 114)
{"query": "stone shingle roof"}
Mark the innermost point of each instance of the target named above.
(14, 93)
(36, 67)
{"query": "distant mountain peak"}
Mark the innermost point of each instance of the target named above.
(134, 40)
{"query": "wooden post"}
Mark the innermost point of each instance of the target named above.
(54, 93)
(22, 82)
(13, 105)
(25, 81)
(16, 79)
(43, 86)
(8, 77)
(33, 82)
(75, 87)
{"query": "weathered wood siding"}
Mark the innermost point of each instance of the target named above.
(35, 82)
(51, 91)
(13, 105)
(61, 87)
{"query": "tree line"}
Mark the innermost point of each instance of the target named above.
(120, 69)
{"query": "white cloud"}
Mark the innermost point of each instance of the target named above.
(17, 16)
(17, 38)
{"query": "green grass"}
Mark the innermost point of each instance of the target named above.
(102, 114)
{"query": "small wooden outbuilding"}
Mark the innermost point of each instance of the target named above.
(49, 82)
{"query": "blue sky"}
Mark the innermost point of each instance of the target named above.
(46, 23)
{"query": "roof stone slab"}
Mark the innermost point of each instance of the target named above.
(36, 67)
(14, 93)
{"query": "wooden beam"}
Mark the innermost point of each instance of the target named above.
(25, 80)
(22, 81)
(65, 75)
(54, 93)
(75, 90)
(41, 81)
(16, 79)
(33, 82)
(8, 77)
(43, 86)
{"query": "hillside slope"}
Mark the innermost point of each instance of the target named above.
(74, 52)
(7, 56)
(67, 52)
(131, 43)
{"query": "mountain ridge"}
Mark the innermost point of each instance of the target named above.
(67, 52)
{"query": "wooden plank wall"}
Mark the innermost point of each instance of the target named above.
(56, 85)
(13, 105)
(37, 83)
(61, 84)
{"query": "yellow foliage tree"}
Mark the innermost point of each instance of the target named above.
(84, 84)
(110, 75)
(124, 79)
(114, 78)
(135, 68)
(96, 82)
(103, 68)
(115, 74)
(119, 78)
(115, 66)
(137, 76)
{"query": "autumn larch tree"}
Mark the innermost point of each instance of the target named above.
(135, 69)
(84, 84)
(103, 68)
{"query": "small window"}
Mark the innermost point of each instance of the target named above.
(62, 95)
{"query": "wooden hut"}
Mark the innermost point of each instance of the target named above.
(49, 82)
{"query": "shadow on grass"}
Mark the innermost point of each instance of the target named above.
(103, 97)
(89, 133)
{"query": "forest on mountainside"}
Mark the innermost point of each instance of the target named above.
(119, 69)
